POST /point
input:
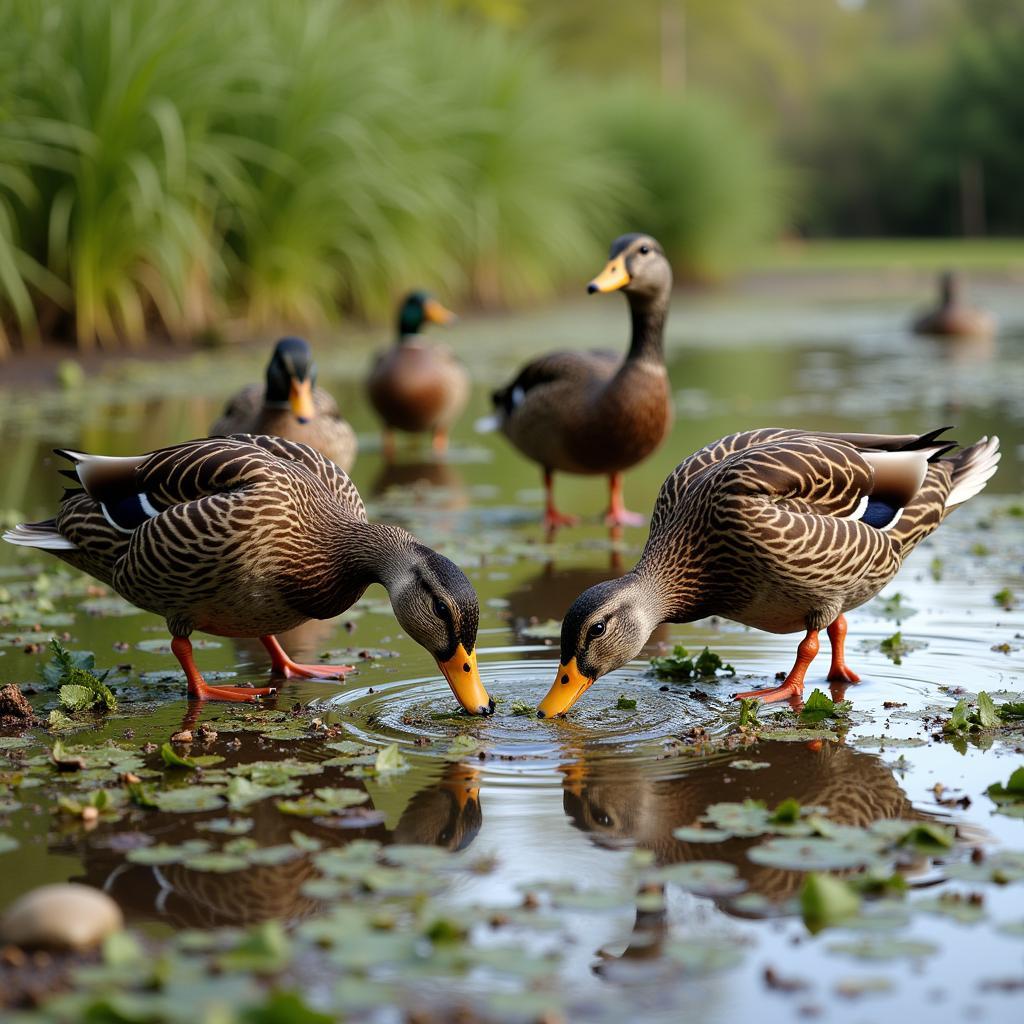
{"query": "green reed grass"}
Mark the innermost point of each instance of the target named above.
(166, 163)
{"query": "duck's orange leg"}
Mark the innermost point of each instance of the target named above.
(282, 665)
(387, 444)
(793, 686)
(840, 672)
(439, 442)
(198, 689)
(552, 517)
(618, 514)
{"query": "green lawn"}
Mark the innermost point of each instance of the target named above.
(1001, 254)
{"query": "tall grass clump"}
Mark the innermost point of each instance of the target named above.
(165, 164)
(703, 181)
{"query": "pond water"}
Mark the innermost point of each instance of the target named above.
(566, 892)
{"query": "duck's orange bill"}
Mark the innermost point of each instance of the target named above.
(570, 684)
(613, 277)
(436, 313)
(301, 399)
(464, 678)
(465, 787)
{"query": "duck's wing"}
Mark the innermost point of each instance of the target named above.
(328, 472)
(582, 368)
(827, 494)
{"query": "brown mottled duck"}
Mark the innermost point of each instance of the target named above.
(290, 405)
(782, 530)
(593, 412)
(415, 387)
(249, 536)
(952, 318)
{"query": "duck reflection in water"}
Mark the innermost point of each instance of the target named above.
(623, 805)
(445, 813)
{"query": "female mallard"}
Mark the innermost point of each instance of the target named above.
(291, 406)
(415, 387)
(249, 536)
(952, 318)
(590, 412)
(783, 530)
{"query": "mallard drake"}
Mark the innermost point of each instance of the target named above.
(951, 318)
(415, 387)
(290, 405)
(592, 412)
(782, 530)
(249, 536)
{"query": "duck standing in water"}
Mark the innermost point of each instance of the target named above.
(592, 412)
(291, 406)
(952, 318)
(250, 536)
(782, 530)
(415, 387)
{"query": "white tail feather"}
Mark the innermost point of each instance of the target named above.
(48, 540)
(975, 471)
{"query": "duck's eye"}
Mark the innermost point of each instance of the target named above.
(645, 249)
(596, 630)
(440, 608)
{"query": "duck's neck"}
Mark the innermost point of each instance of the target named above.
(678, 596)
(648, 314)
(351, 555)
(409, 325)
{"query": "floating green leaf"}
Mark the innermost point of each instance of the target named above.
(826, 901)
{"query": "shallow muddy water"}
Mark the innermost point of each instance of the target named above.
(566, 886)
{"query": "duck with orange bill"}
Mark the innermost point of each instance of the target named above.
(250, 536)
(781, 530)
(593, 412)
(290, 405)
(416, 387)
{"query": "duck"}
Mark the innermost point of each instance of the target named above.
(415, 387)
(250, 536)
(951, 318)
(779, 529)
(594, 412)
(290, 405)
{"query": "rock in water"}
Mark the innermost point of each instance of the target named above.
(15, 710)
(66, 916)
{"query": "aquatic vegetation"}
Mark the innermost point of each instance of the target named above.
(680, 664)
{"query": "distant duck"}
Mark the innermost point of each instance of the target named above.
(289, 405)
(951, 318)
(781, 530)
(250, 536)
(416, 387)
(593, 412)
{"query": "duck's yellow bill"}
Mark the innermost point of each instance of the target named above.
(464, 678)
(301, 399)
(613, 277)
(570, 684)
(436, 313)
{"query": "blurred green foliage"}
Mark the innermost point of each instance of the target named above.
(166, 163)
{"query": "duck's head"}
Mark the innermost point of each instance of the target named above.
(435, 603)
(419, 308)
(638, 266)
(291, 376)
(606, 627)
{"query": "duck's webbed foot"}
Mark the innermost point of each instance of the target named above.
(792, 687)
(282, 665)
(199, 689)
